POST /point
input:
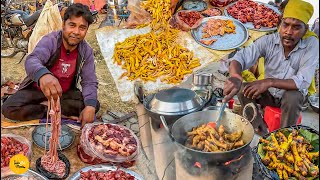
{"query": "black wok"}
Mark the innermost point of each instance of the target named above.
(232, 122)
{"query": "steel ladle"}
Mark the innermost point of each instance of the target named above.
(223, 106)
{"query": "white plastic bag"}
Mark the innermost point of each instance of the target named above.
(49, 20)
(137, 15)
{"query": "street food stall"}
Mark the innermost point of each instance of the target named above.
(169, 65)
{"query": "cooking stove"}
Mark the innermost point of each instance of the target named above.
(170, 163)
(188, 167)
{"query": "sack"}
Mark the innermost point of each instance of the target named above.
(48, 21)
(137, 15)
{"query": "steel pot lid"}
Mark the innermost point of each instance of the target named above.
(175, 101)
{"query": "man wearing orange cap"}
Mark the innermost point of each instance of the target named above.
(290, 63)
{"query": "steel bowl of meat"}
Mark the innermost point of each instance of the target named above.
(254, 15)
(101, 171)
(110, 142)
(11, 145)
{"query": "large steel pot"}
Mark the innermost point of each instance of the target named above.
(232, 122)
(172, 103)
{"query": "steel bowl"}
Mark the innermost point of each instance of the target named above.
(314, 102)
(202, 79)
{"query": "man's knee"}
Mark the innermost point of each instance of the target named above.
(7, 109)
(293, 97)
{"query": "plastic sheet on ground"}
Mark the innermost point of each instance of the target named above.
(107, 38)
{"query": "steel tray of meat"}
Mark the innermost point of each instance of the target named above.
(225, 42)
(111, 142)
(29, 175)
(104, 168)
(250, 25)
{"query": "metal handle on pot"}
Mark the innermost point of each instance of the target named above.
(166, 127)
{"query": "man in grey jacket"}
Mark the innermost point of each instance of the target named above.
(60, 61)
(291, 56)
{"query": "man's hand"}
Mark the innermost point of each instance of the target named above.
(87, 115)
(231, 88)
(254, 89)
(50, 86)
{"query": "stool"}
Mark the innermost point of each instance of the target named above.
(272, 117)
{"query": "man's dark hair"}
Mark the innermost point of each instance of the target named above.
(283, 5)
(78, 10)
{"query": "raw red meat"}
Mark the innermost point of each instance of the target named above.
(10, 147)
(250, 11)
(189, 18)
(109, 175)
(50, 161)
(112, 140)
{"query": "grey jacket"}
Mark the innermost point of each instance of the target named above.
(47, 52)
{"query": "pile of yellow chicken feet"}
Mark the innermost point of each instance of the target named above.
(155, 54)
(290, 156)
(206, 138)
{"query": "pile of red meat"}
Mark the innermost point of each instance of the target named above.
(10, 147)
(109, 175)
(112, 140)
(250, 11)
(190, 18)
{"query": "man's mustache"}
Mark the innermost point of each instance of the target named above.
(288, 38)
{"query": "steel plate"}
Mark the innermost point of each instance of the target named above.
(104, 168)
(226, 42)
(28, 174)
(66, 137)
(196, 5)
(249, 25)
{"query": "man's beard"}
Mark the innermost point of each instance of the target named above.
(67, 41)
